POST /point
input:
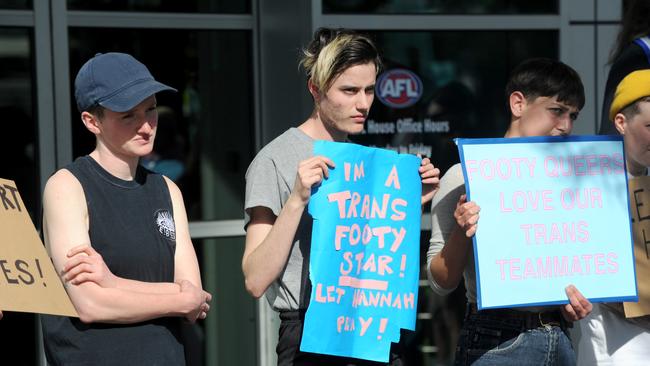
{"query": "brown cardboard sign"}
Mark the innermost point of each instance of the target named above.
(28, 280)
(639, 189)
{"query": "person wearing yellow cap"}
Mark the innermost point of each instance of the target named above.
(606, 337)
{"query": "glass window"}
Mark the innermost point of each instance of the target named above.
(230, 328)
(17, 109)
(440, 6)
(19, 152)
(462, 88)
(205, 135)
(16, 4)
(167, 6)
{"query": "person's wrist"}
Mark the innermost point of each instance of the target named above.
(296, 202)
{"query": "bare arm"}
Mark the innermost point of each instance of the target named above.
(85, 264)
(269, 238)
(185, 262)
(65, 224)
(448, 265)
(449, 247)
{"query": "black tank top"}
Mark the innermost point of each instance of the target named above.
(131, 225)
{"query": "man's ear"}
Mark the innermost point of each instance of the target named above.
(91, 122)
(620, 122)
(517, 103)
(313, 90)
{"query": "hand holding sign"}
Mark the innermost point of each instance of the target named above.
(430, 179)
(310, 174)
(578, 306)
(467, 215)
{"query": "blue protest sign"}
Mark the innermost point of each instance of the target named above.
(364, 261)
(554, 212)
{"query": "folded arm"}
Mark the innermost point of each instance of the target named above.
(65, 225)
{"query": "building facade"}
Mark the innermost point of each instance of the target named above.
(234, 63)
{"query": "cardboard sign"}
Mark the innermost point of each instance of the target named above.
(640, 211)
(28, 281)
(554, 212)
(364, 262)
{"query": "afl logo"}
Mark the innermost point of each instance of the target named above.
(399, 88)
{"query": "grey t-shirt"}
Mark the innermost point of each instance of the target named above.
(269, 181)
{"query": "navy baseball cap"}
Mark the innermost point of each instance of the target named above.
(115, 81)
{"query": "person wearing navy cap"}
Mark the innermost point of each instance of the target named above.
(117, 233)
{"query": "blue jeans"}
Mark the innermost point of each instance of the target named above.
(486, 339)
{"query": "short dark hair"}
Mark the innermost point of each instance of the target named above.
(96, 110)
(544, 77)
(632, 110)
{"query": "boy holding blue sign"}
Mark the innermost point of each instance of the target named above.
(607, 337)
(341, 67)
(544, 97)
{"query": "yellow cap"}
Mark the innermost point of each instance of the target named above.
(633, 87)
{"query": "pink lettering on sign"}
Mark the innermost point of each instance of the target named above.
(361, 297)
(380, 232)
(365, 323)
(581, 198)
(398, 215)
(502, 168)
(331, 294)
(349, 281)
(340, 198)
(557, 266)
(371, 208)
(345, 323)
(355, 234)
(381, 265)
(358, 171)
(564, 232)
(527, 201)
(402, 266)
(399, 237)
(382, 327)
(580, 165)
(393, 179)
